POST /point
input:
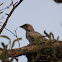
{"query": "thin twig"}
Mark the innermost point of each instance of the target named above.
(5, 23)
(14, 35)
(17, 37)
(10, 31)
(7, 7)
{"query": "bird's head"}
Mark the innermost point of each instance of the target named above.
(27, 27)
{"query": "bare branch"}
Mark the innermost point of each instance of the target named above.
(5, 23)
(30, 49)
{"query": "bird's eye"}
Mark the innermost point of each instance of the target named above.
(26, 25)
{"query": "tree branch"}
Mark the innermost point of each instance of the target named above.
(30, 49)
(5, 23)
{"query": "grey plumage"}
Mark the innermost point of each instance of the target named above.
(31, 35)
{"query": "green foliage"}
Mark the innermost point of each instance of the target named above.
(48, 42)
(51, 38)
(1, 12)
(6, 37)
(15, 41)
(1, 4)
(58, 38)
(50, 35)
(5, 56)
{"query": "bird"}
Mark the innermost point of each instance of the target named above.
(31, 34)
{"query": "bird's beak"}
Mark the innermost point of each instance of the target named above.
(21, 26)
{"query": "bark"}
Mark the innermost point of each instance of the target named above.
(33, 51)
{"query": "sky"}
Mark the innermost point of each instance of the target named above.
(41, 14)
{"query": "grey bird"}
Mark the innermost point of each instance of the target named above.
(31, 34)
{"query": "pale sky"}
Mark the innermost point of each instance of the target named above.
(41, 14)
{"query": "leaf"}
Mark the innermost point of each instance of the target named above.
(57, 38)
(1, 4)
(4, 36)
(51, 35)
(15, 41)
(4, 54)
(3, 44)
(46, 33)
(47, 41)
(1, 12)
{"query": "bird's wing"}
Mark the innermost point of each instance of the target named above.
(32, 36)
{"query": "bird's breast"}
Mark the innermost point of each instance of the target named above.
(29, 37)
